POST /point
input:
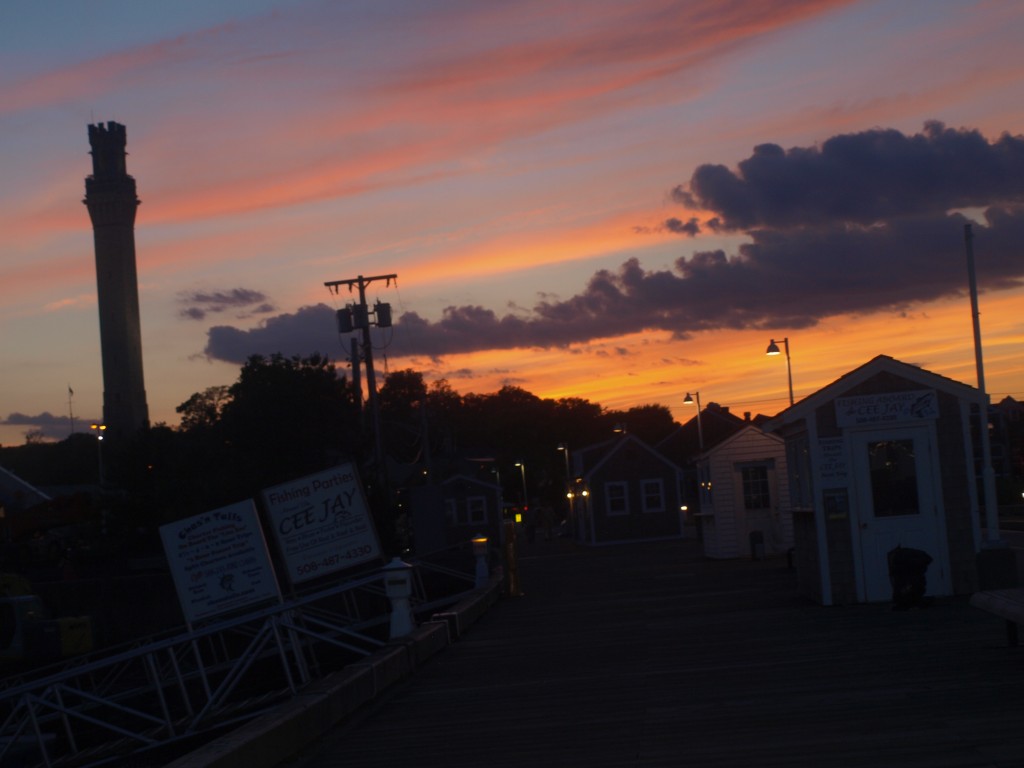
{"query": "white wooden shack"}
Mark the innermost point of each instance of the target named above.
(745, 496)
(884, 458)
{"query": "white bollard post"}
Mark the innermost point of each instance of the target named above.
(482, 571)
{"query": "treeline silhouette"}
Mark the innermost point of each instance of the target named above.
(286, 417)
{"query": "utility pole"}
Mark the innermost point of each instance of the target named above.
(988, 475)
(357, 317)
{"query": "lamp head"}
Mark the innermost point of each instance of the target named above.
(688, 400)
(773, 348)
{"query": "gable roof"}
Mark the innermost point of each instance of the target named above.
(716, 425)
(467, 480)
(737, 436)
(875, 366)
(593, 457)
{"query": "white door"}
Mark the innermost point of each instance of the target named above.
(897, 505)
(756, 492)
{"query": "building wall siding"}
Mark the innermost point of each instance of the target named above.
(727, 532)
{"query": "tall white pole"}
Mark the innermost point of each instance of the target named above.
(988, 475)
(789, 370)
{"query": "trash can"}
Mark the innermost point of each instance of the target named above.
(907, 575)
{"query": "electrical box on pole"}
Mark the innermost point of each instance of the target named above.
(345, 320)
(360, 320)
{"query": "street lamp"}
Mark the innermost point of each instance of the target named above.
(99, 429)
(773, 349)
(522, 473)
(564, 448)
(688, 400)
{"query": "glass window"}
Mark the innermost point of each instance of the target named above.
(893, 468)
(756, 490)
(654, 498)
(616, 498)
(477, 507)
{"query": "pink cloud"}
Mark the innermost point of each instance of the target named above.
(386, 129)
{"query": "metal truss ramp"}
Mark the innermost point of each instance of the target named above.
(175, 691)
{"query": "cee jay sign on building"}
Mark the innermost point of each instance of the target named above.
(887, 408)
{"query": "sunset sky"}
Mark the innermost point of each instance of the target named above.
(620, 201)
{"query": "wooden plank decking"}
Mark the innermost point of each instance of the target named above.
(651, 655)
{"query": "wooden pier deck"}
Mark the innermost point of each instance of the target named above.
(651, 655)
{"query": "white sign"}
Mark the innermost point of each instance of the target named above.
(322, 523)
(832, 469)
(219, 561)
(888, 408)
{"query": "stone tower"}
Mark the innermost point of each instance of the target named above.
(110, 198)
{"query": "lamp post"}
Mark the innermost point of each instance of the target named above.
(522, 473)
(99, 429)
(773, 349)
(701, 486)
(564, 448)
(688, 400)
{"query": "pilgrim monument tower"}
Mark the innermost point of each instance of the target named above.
(110, 198)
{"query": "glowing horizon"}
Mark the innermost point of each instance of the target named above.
(533, 175)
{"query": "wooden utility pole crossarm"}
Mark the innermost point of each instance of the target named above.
(361, 282)
(371, 383)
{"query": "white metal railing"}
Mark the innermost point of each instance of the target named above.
(178, 687)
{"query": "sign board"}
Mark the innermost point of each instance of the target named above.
(219, 561)
(837, 503)
(887, 408)
(832, 469)
(322, 523)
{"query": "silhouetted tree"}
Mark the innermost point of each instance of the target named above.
(402, 399)
(402, 393)
(203, 409)
(444, 406)
(651, 423)
(282, 418)
(286, 417)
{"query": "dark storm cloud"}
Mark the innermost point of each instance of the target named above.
(862, 178)
(50, 426)
(307, 331)
(44, 419)
(680, 227)
(691, 227)
(862, 224)
(198, 304)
